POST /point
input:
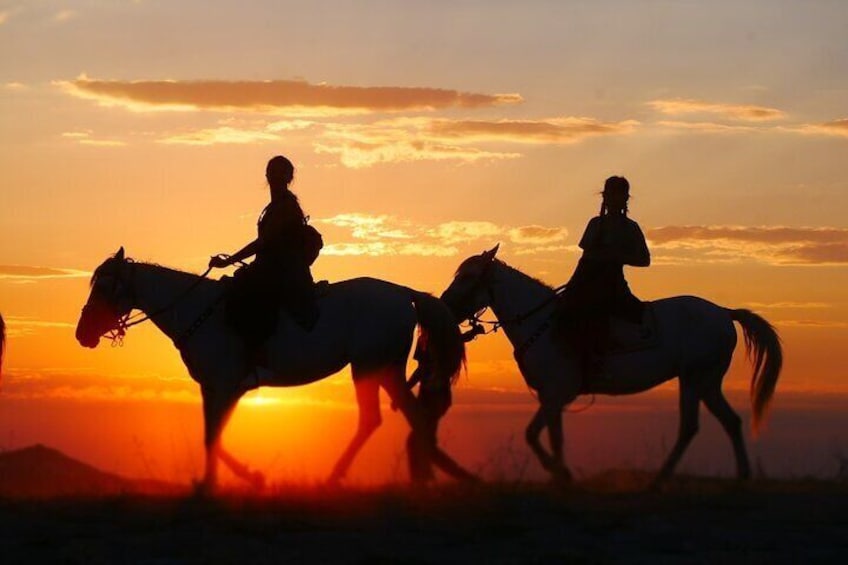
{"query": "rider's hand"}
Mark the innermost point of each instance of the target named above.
(218, 262)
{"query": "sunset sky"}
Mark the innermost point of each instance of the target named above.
(422, 133)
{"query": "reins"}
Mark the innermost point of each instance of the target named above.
(129, 320)
(475, 320)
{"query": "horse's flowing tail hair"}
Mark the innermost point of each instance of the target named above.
(2, 342)
(766, 354)
(440, 331)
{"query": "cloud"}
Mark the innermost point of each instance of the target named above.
(220, 135)
(548, 131)
(773, 245)
(361, 155)
(84, 138)
(292, 97)
(381, 248)
(4, 17)
(18, 326)
(707, 127)
(836, 128)
(30, 273)
(748, 113)
(364, 226)
(788, 305)
(812, 324)
(14, 85)
(63, 384)
(417, 139)
(456, 232)
(64, 16)
(364, 234)
(537, 235)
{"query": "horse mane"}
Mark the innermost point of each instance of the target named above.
(522, 273)
(473, 259)
(99, 270)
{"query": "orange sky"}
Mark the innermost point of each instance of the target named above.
(421, 133)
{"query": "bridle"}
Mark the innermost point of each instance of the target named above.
(130, 319)
(483, 281)
(521, 350)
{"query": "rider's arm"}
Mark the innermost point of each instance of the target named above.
(590, 239)
(220, 261)
(245, 252)
(637, 253)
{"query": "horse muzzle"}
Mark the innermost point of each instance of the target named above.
(87, 339)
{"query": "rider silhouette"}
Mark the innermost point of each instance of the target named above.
(279, 275)
(597, 290)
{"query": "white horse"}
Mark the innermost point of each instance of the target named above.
(364, 322)
(696, 343)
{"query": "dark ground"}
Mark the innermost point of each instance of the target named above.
(605, 519)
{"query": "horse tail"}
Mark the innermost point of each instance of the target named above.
(2, 342)
(766, 354)
(440, 332)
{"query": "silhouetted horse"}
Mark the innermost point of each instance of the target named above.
(697, 339)
(2, 342)
(364, 322)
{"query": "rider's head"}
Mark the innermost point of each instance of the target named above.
(279, 172)
(616, 194)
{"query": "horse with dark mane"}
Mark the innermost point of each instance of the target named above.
(364, 322)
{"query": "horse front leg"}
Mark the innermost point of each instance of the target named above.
(551, 462)
(553, 417)
(254, 478)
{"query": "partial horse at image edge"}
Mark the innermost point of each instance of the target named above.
(2, 342)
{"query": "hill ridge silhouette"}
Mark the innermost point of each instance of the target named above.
(39, 471)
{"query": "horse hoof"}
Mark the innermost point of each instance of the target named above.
(202, 490)
(561, 476)
(657, 485)
(471, 479)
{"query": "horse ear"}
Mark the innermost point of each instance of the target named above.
(120, 254)
(490, 254)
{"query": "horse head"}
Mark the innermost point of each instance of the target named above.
(109, 302)
(469, 292)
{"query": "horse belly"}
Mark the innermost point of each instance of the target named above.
(631, 374)
(297, 357)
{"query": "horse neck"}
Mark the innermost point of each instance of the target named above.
(516, 296)
(161, 293)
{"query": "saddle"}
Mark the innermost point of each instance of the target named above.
(626, 336)
(254, 302)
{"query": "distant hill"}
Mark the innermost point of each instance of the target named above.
(42, 472)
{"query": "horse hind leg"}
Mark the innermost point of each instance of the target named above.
(368, 400)
(421, 442)
(689, 405)
(217, 409)
(717, 404)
